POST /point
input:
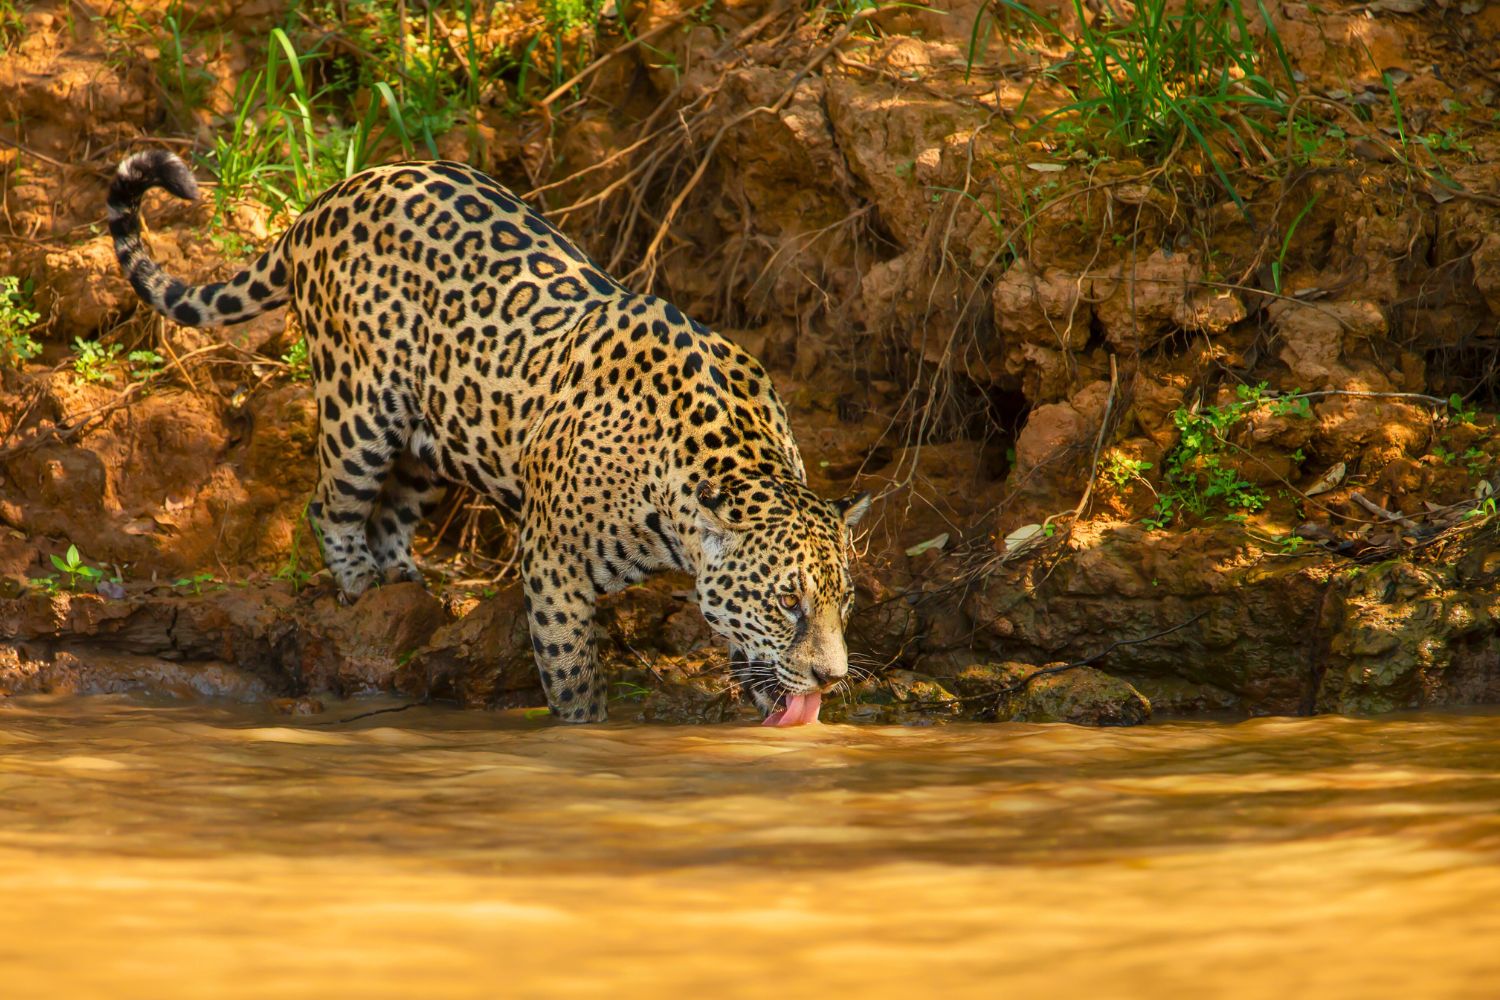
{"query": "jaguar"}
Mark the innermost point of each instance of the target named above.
(455, 336)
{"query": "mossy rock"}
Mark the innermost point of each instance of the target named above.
(897, 698)
(680, 699)
(1081, 696)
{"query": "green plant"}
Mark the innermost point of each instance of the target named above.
(195, 582)
(1475, 461)
(1458, 411)
(1195, 479)
(1487, 507)
(73, 566)
(1447, 141)
(1120, 470)
(564, 15)
(11, 25)
(92, 359)
(1292, 405)
(189, 83)
(16, 317)
(144, 365)
(46, 584)
(1293, 544)
(296, 360)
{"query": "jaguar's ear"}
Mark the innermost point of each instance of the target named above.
(713, 511)
(853, 507)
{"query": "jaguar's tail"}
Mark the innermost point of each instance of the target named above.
(260, 287)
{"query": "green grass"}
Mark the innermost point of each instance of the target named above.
(190, 84)
(294, 571)
(11, 25)
(1159, 78)
(1286, 243)
(374, 86)
(279, 146)
(345, 83)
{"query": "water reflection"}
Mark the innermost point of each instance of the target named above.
(192, 850)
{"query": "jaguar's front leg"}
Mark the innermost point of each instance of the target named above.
(562, 634)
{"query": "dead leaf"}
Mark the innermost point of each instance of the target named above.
(1023, 538)
(1047, 168)
(936, 542)
(1327, 480)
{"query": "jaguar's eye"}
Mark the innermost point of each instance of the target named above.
(789, 602)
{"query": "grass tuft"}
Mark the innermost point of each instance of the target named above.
(1152, 78)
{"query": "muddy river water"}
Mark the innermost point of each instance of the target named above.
(169, 850)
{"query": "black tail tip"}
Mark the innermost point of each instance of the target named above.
(141, 172)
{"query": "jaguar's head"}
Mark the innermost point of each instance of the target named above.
(774, 581)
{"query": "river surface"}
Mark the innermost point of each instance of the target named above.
(156, 850)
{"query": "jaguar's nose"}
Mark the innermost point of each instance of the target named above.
(826, 676)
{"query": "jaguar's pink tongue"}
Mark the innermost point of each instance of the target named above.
(800, 709)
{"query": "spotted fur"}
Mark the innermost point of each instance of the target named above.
(455, 336)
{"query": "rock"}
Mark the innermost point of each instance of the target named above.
(1402, 631)
(1082, 696)
(359, 649)
(1055, 428)
(1261, 628)
(1144, 297)
(483, 660)
(898, 143)
(896, 697)
(680, 698)
(81, 289)
(297, 706)
(1313, 339)
(1048, 309)
(91, 670)
(1170, 696)
(169, 484)
(1487, 271)
(685, 631)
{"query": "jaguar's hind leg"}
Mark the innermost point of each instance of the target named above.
(355, 459)
(412, 492)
